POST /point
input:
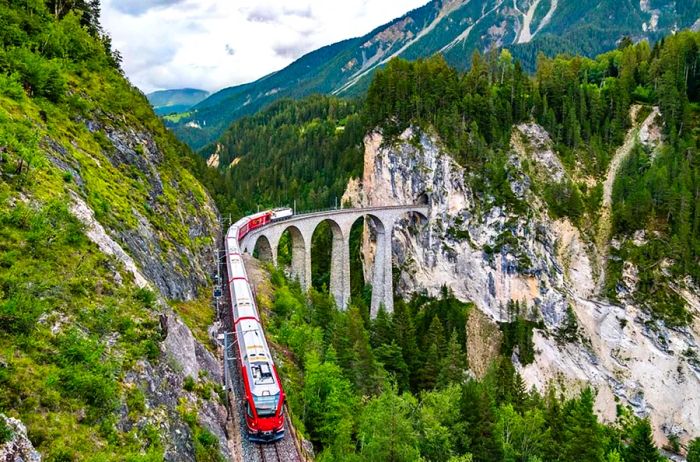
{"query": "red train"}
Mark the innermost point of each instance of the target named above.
(251, 222)
(264, 396)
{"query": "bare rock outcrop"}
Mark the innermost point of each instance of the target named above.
(17, 448)
(489, 254)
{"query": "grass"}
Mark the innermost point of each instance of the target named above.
(198, 315)
(59, 306)
(175, 118)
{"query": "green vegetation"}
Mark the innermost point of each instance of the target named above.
(304, 151)
(6, 432)
(694, 451)
(63, 382)
(206, 445)
(198, 314)
(72, 321)
(376, 390)
(517, 334)
(658, 192)
(583, 103)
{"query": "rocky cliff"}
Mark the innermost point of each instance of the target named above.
(107, 248)
(492, 254)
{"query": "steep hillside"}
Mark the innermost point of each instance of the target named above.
(517, 207)
(455, 28)
(307, 149)
(172, 101)
(104, 238)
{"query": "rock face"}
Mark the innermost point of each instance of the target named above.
(169, 247)
(175, 269)
(162, 384)
(18, 448)
(491, 255)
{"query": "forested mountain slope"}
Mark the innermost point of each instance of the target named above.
(514, 168)
(454, 28)
(103, 231)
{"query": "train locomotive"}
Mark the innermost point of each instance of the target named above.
(264, 397)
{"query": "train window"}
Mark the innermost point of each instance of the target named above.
(266, 406)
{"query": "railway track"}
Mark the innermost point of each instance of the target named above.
(284, 450)
(270, 453)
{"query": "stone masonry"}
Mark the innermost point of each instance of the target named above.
(301, 228)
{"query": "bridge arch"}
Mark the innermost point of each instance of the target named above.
(293, 237)
(301, 228)
(263, 249)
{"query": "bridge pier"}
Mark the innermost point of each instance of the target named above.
(382, 280)
(302, 227)
(299, 257)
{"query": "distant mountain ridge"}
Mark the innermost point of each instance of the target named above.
(455, 28)
(171, 101)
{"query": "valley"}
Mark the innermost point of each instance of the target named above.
(506, 267)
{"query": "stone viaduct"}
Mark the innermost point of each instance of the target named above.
(301, 229)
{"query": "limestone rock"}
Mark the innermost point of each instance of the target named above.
(490, 255)
(18, 448)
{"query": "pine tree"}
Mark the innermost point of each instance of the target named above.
(433, 352)
(405, 336)
(478, 416)
(453, 363)
(642, 448)
(390, 356)
(694, 451)
(363, 364)
(382, 328)
(582, 432)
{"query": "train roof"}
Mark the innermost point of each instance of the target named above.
(255, 354)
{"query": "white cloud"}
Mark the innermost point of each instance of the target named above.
(212, 44)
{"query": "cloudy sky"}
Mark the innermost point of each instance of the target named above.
(212, 44)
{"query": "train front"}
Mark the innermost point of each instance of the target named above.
(265, 405)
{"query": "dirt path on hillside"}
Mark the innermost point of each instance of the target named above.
(605, 219)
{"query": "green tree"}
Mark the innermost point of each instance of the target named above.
(386, 431)
(521, 436)
(453, 362)
(329, 404)
(479, 420)
(642, 447)
(694, 451)
(582, 433)
(439, 423)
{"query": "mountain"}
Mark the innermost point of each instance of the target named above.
(455, 28)
(106, 254)
(563, 230)
(166, 102)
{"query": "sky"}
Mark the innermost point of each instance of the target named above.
(213, 44)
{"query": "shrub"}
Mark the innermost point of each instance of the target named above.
(11, 87)
(39, 76)
(135, 400)
(189, 383)
(19, 313)
(5, 431)
(145, 296)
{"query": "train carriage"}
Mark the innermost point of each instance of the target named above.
(264, 396)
